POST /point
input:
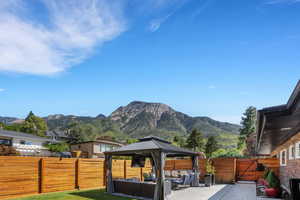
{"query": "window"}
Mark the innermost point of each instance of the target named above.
(22, 142)
(5, 142)
(297, 150)
(108, 147)
(102, 147)
(292, 152)
(283, 158)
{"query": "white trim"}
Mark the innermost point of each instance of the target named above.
(285, 160)
(291, 156)
(297, 150)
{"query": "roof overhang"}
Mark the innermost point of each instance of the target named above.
(275, 125)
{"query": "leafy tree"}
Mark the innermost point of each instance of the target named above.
(211, 146)
(131, 140)
(34, 125)
(13, 127)
(248, 126)
(75, 133)
(179, 141)
(2, 125)
(196, 141)
(227, 153)
(59, 147)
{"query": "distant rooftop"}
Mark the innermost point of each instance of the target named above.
(15, 134)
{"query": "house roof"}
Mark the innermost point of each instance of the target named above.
(14, 134)
(278, 123)
(102, 141)
(148, 144)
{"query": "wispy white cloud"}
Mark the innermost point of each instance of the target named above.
(2, 90)
(212, 87)
(156, 23)
(170, 7)
(76, 28)
(70, 31)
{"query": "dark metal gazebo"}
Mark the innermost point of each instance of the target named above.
(157, 150)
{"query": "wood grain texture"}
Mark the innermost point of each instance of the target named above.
(21, 176)
(91, 173)
(58, 174)
(18, 176)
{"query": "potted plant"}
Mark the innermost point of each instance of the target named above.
(273, 189)
(209, 178)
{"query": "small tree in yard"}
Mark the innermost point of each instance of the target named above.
(179, 141)
(248, 126)
(195, 141)
(211, 146)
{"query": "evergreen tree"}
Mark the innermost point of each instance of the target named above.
(75, 133)
(248, 125)
(211, 146)
(196, 141)
(34, 125)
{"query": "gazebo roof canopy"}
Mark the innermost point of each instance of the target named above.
(149, 144)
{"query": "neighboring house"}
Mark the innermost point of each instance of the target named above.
(95, 149)
(26, 144)
(57, 135)
(278, 135)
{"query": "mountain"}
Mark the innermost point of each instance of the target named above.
(141, 118)
(8, 120)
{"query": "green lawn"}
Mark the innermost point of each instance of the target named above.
(75, 195)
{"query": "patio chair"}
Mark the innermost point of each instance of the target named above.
(185, 180)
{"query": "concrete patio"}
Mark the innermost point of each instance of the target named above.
(239, 191)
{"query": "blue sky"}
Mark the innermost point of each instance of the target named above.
(202, 57)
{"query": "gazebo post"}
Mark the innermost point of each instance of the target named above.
(108, 168)
(159, 162)
(195, 160)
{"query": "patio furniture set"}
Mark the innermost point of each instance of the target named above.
(158, 187)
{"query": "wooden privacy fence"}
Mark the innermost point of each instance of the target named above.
(30, 175)
(247, 168)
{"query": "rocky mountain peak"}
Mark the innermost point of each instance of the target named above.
(126, 113)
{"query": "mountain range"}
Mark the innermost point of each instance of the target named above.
(139, 119)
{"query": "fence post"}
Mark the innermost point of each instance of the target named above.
(41, 175)
(125, 169)
(77, 170)
(104, 173)
(234, 170)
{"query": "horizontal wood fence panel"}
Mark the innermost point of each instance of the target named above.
(18, 176)
(148, 168)
(21, 176)
(224, 169)
(132, 172)
(118, 169)
(58, 174)
(183, 164)
(170, 165)
(247, 168)
(90, 173)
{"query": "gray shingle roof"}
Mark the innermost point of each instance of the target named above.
(151, 143)
(15, 134)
